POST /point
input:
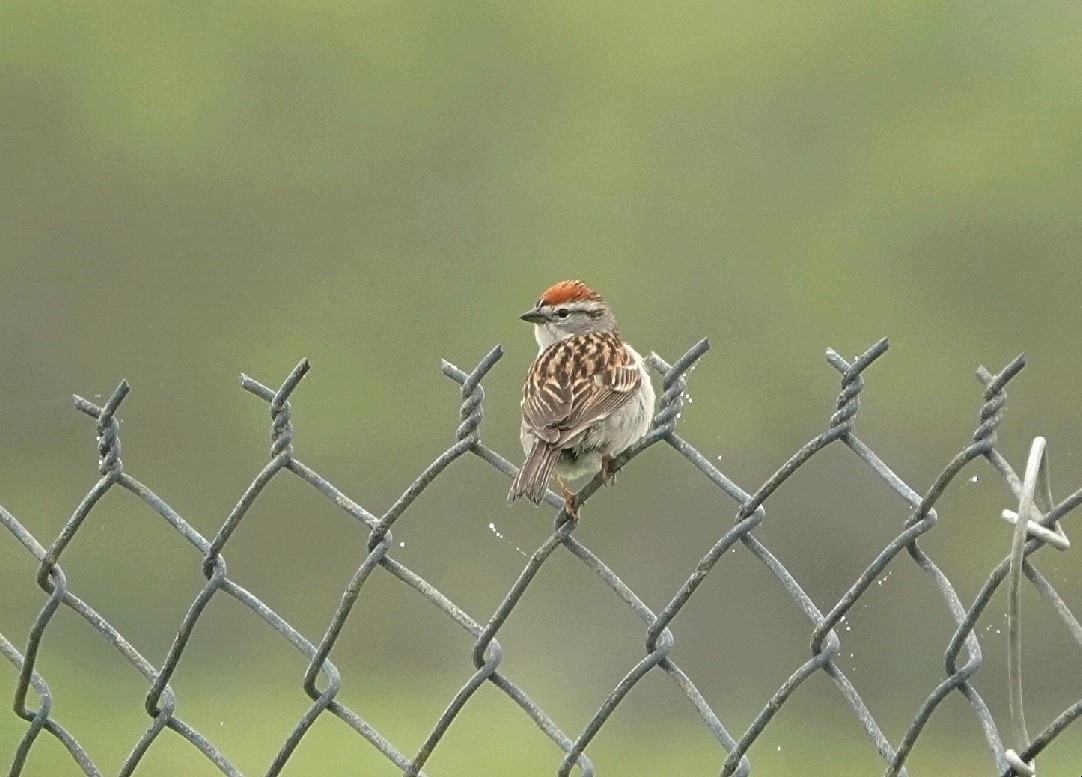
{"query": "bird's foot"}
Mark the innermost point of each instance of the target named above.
(608, 477)
(570, 507)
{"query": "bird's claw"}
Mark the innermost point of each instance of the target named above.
(608, 477)
(568, 495)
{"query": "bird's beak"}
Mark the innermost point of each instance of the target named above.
(534, 316)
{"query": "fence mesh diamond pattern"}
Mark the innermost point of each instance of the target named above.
(1036, 525)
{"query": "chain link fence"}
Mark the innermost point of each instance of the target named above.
(1036, 525)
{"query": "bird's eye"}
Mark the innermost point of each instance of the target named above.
(563, 313)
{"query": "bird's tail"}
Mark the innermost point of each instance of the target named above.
(532, 480)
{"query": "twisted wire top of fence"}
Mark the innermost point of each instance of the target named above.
(1036, 520)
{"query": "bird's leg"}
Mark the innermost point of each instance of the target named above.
(607, 477)
(569, 498)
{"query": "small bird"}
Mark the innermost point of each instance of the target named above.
(587, 395)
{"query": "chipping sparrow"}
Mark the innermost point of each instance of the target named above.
(587, 395)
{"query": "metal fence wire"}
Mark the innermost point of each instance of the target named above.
(1037, 527)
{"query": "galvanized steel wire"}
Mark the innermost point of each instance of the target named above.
(33, 700)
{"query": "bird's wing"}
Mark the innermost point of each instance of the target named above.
(545, 406)
(609, 389)
(587, 377)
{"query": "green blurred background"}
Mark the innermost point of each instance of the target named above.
(192, 191)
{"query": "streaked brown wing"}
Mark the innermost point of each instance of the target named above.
(545, 407)
(608, 390)
(575, 392)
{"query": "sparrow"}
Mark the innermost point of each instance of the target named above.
(586, 397)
